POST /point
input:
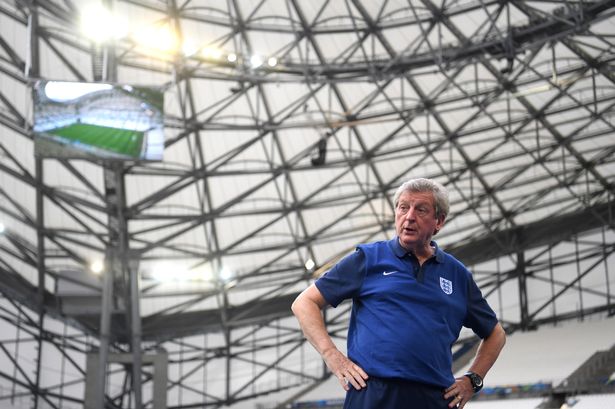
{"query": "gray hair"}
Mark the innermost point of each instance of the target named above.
(440, 194)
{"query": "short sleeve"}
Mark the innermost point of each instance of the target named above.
(479, 317)
(344, 280)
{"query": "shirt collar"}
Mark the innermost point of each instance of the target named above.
(400, 252)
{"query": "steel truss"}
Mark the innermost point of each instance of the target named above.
(267, 167)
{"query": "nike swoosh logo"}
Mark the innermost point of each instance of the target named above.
(388, 273)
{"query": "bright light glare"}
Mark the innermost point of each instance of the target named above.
(272, 61)
(309, 264)
(166, 273)
(189, 47)
(160, 38)
(211, 53)
(2, 228)
(231, 57)
(256, 61)
(202, 273)
(62, 91)
(100, 25)
(226, 274)
(97, 266)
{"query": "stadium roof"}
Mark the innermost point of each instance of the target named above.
(288, 126)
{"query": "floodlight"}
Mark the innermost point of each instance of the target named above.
(159, 38)
(272, 61)
(97, 266)
(2, 228)
(256, 61)
(232, 57)
(99, 24)
(309, 264)
(226, 274)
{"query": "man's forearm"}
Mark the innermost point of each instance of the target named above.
(308, 310)
(461, 391)
(309, 315)
(488, 351)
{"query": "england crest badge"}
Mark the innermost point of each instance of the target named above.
(446, 286)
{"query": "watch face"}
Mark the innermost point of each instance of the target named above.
(477, 381)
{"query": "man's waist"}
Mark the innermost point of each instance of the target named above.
(402, 382)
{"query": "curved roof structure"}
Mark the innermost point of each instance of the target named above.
(288, 126)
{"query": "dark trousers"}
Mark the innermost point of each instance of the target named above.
(395, 394)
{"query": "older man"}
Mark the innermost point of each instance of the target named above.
(410, 300)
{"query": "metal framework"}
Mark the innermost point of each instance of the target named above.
(272, 172)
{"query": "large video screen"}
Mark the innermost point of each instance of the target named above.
(98, 121)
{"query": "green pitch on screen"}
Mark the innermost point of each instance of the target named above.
(123, 141)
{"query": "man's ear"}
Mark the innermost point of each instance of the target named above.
(439, 225)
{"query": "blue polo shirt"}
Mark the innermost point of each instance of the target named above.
(406, 317)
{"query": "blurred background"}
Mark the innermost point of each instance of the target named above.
(173, 173)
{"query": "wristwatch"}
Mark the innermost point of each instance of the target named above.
(475, 380)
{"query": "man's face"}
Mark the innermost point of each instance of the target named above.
(415, 219)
